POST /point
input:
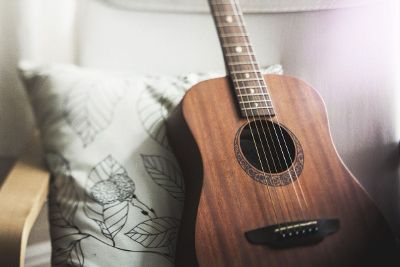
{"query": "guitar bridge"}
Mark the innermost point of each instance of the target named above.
(292, 234)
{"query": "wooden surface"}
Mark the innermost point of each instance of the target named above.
(22, 196)
(230, 203)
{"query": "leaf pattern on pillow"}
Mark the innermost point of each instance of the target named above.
(66, 237)
(154, 233)
(166, 174)
(157, 233)
(67, 197)
(109, 193)
(152, 108)
(113, 218)
(110, 198)
(70, 253)
(89, 106)
(158, 99)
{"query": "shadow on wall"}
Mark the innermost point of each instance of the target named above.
(350, 59)
(382, 164)
(15, 114)
(38, 30)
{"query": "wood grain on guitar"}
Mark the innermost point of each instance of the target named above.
(264, 183)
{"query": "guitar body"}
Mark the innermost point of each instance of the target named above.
(223, 201)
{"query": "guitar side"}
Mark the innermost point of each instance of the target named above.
(222, 201)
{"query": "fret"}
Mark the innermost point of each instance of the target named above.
(225, 10)
(228, 35)
(255, 107)
(250, 84)
(230, 45)
(231, 52)
(234, 39)
(240, 54)
(255, 94)
(258, 113)
(242, 50)
(246, 76)
(222, 25)
(214, 3)
(221, 3)
(252, 108)
(255, 101)
(237, 48)
(250, 76)
(244, 72)
(243, 63)
(223, 13)
(245, 67)
(252, 87)
(248, 80)
(241, 58)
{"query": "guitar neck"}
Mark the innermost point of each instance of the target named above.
(247, 80)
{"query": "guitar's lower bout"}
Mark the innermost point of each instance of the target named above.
(223, 201)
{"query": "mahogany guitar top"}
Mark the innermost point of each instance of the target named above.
(223, 201)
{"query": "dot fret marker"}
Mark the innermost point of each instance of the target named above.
(239, 57)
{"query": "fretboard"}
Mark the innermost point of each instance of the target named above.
(248, 83)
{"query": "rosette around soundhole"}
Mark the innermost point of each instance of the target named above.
(269, 152)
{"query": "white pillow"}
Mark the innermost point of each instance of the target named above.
(117, 192)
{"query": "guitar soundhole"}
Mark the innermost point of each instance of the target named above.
(267, 146)
(269, 153)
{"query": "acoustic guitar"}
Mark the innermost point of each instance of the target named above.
(264, 183)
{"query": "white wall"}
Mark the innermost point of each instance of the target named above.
(15, 119)
(39, 30)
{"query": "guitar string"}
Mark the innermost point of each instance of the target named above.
(251, 130)
(238, 11)
(260, 138)
(275, 132)
(285, 144)
(263, 149)
(238, 15)
(215, 6)
(265, 154)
